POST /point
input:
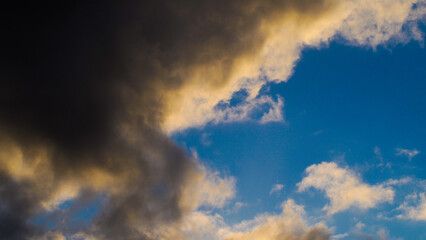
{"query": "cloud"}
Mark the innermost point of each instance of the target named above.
(290, 224)
(89, 92)
(276, 188)
(340, 236)
(238, 206)
(379, 156)
(414, 207)
(398, 182)
(279, 40)
(344, 188)
(406, 152)
(51, 236)
(206, 225)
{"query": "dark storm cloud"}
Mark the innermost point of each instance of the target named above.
(82, 88)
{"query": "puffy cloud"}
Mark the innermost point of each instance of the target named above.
(414, 207)
(406, 152)
(344, 188)
(290, 224)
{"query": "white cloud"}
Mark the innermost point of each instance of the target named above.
(359, 226)
(379, 156)
(398, 182)
(406, 152)
(275, 113)
(276, 188)
(414, 207)
(344, 188)
(340, 236)
(238, 206)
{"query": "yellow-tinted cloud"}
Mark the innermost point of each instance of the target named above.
(280, 38)
(89, 90)
(288, 225)
(344, 188)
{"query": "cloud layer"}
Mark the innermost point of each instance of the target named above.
(89, 91)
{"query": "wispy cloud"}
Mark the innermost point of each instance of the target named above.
(407, 152)
(379, 156)
(237, 206)
(398, 182)
(276, 188)
(414, 207)
(344, 188)
(340, 236)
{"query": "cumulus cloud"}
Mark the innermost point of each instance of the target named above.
(407, 152)
(90, 90)
(414, 207)
(344, 188)
(206, 225)
(290, 224)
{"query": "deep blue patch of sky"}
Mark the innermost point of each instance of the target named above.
(340, 103)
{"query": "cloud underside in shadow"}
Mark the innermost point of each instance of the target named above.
(90, 90)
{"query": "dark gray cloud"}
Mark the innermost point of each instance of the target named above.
(82, 100)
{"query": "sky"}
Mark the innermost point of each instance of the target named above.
(216, 120)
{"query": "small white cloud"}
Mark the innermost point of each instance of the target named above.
(406, 152)
(383, 234)
(275, 113)
(414, 207)
(359, 226)
(344, 188)
(340, 236)
(238, 206)
(243, 111)
(205, 139)
(316, 133)
(398, 182)
(378, 153)
(276, 188)
(379, 156)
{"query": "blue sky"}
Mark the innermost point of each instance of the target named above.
(350, 105)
